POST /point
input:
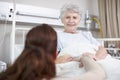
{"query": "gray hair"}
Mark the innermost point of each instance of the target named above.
(70, 7)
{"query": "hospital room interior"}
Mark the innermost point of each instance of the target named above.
(17, 17)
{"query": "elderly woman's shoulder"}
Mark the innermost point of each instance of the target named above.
(60, 32)
(86, 33)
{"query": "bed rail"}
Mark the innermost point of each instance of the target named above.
(113, 46)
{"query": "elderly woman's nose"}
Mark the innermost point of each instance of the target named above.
(71, 20)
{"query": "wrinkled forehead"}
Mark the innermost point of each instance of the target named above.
(74, 12)
(71, 13)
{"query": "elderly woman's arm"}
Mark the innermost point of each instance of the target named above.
(63, 59)
(101, 53)
(94, 70)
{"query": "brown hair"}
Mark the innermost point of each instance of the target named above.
(36, 62)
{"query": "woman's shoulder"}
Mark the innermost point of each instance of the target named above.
(62, 33)
(59, 32)
(85, 32)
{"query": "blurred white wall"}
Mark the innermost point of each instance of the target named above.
(91, 5)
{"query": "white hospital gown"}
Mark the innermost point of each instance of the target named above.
(67, 39)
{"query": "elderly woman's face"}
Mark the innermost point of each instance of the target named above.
(71, 21)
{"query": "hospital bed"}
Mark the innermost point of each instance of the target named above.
(111, 44)
(111, 65)
(112, 48)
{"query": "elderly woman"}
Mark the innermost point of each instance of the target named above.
(37, 61)
(70, 17)
(72, 42)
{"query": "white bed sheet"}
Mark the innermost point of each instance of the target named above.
(70, 69)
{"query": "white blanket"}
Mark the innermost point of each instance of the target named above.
(110, 65)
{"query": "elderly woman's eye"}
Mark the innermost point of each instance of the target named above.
(67, 17)
(74, 17)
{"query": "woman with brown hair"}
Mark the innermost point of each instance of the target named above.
(37, 61)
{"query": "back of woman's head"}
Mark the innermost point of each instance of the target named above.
(43, 40)
(36, 62)
(42, 36)
(70, 8)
